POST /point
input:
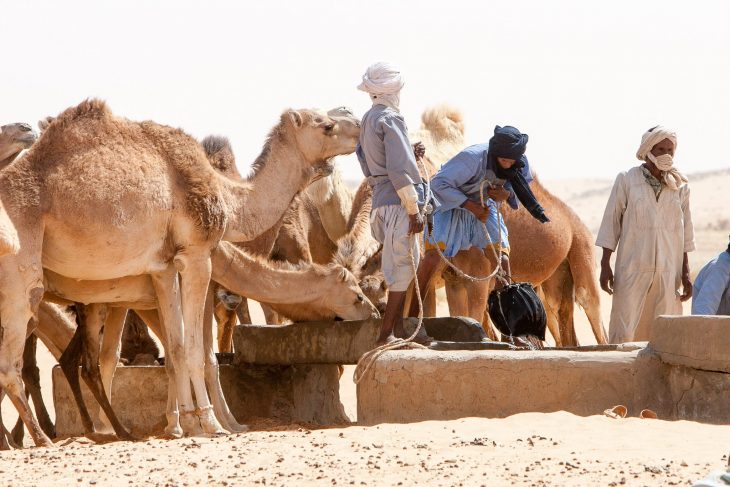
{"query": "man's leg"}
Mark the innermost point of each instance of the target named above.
(393, 315)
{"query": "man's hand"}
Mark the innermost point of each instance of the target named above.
(606, 278)
(498, 193)
(481, 212)
(686, 283)
(686, 288)
(419, 150)
(415, 223)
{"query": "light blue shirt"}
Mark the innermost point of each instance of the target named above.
(711, 290)
(386, 156)
(459, 179)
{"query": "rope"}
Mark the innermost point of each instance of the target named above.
(368, 359)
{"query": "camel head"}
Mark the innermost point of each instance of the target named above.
(14, 138)
(338, 297)
(320, 137)
(362, 257)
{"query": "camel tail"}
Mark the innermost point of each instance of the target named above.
(587, 294)
(443, 120)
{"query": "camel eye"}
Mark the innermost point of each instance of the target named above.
(360, 298)
(328, 127)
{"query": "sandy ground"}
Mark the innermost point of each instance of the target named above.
(526, 449)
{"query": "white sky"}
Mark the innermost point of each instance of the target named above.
(584, 79)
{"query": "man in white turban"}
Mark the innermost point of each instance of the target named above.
(388, 162)
(648, 217)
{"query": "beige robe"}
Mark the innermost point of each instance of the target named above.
(652, 237)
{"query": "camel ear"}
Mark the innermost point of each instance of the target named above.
(296, 118)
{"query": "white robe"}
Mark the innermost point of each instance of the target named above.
(652, 237)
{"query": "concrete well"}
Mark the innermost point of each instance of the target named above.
(681, 374)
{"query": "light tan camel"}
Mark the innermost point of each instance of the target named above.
(349, 306)
(144, 200)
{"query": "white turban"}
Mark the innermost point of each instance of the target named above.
(383, 82)
(652, 137)
(672, 178)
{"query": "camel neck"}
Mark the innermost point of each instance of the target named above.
(242, 274)
(6, 159)
(259, 203)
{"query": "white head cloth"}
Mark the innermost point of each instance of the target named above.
(383, 82)
(672, 178)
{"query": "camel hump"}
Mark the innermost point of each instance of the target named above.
(89, 108)
(213, 144)
(443, 119)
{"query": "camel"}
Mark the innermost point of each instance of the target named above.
(144, 201)
(565, 240)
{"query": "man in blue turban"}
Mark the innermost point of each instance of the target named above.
(457, 223)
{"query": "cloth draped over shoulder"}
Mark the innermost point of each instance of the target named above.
(672, 178)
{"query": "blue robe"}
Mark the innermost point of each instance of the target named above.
(455, 228)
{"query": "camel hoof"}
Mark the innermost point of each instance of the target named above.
(190, 424)
(208, 421)
(239, 428)
(173, 429)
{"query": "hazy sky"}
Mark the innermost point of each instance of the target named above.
(584, 79)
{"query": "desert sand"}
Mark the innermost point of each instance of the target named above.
(526, 449)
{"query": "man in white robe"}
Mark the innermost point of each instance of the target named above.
(648, 218)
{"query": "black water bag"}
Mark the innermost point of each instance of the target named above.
(517, 310)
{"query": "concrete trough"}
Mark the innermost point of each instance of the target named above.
(681, 374)
(290, 394)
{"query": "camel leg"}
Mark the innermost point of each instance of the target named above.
(550, 299)
(4, 433)
(69, 363)
(111, 347)
(243, 313)
(152, 320)
(168, 299)
(587, 293)
(91, 320)
(212, 376)
(194, 283)
(430, 304)
(32, 380)
(22, 288)
(271, 316)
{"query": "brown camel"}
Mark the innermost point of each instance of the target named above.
(144, 200)
(564, 239)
